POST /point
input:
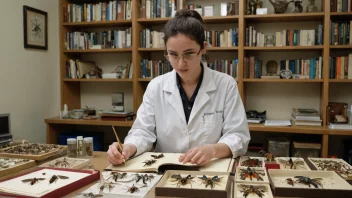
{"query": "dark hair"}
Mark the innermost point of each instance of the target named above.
(187, 22)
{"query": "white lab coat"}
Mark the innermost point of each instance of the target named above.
(218, 116)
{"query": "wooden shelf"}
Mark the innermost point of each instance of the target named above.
(269, 18)
(99, 50)
(222, 48)
(151, 49)
(144, 79)
(206, 20)
(154, 20)
(220, 19)
(340, 46)
(208, 49)
(340, 80)
(289, 129)
(283, 48)
(97, 122)
(339, 132)
(341, 15)
(99, 80)
(285, 80)
(98, 23)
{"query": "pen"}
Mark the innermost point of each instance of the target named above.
(119, 145)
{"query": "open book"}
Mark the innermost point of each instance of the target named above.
(170, 161)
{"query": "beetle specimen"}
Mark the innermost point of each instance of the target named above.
(251, 173)
(33, 180)
(91, 195)
(104, 185)
(308, 181)
(149, 162)
(292, 164)
(54, 178)
(252, 162)
(289, 181)
(134, 188)
(116, 175)
(210, 181)
(269, 155)
(158, 156)
(182, 180)
(249, 189)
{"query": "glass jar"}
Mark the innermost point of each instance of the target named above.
(80, 150)
(88, 146)
(71, 147)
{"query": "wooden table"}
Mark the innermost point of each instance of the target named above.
(99, 161)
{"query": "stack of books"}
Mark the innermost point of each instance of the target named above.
(116, 116)
(305, 117)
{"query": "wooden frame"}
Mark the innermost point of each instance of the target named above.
(34, 34)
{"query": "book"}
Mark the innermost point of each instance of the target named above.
(277, 123)
(170, 161)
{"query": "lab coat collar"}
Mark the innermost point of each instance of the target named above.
(174, 97)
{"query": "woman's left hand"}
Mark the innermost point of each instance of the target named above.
(198, 155)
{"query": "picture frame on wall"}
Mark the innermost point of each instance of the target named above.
(35, 26)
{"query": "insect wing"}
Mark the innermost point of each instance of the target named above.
(62, 177)
(27, 180)
(203, 178)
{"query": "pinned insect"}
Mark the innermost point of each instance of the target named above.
(249, 189)
(134, 188)
(210, 181)
(269, 155)
(62, 163)
(308, 181)
(54, 178)
(250, 162)
(293, 164)
(289, 181)
(144, 178)
(91, 195)
(251, 173)
(33, 180)
(116, 175)
(158, 156)
(182, 181)
(337, 166)
(149, 162)
(104, 185)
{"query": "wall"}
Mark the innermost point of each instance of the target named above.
(29, 79)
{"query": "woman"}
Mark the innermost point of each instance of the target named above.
(192, 109)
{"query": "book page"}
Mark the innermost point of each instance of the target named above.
(136, 164)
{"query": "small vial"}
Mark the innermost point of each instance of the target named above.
(71, 147)
(88, 146)
(80, 150)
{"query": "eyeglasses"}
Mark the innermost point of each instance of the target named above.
(186, 57)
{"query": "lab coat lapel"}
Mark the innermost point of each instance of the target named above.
(173, 95)
(202, 98)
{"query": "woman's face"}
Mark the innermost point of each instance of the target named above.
(182, 46)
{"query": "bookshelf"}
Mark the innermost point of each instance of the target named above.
(71, 88)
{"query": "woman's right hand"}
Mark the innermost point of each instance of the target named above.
(116, 158)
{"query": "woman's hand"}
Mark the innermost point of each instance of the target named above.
(198, 155)
(116, 158)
